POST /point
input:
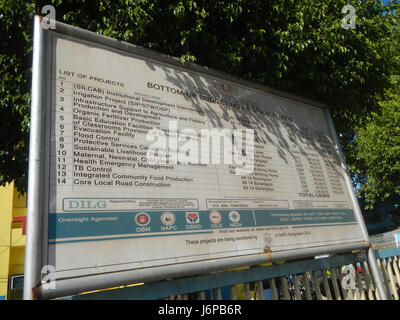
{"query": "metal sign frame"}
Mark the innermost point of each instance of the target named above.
(37, 212)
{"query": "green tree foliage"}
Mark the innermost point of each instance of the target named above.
(374, 152)
(15, 61)
(377, 147)
(294, 45)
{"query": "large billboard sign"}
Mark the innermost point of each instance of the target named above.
(150, 163)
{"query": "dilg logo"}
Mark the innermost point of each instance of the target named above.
(215, 217)
(226, 88)
(85, 204)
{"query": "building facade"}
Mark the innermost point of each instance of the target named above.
(12, 242)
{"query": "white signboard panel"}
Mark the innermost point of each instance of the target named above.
(111, 208)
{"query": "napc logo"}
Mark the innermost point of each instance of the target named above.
(168, 220)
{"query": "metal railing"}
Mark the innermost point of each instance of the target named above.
(337, 277)
(383, 245)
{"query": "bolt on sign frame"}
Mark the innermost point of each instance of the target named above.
(101, 215)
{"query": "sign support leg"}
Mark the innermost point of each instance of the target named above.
(371, 256)
(33, 247)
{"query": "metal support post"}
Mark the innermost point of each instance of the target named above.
(33, 247)
(371, 257)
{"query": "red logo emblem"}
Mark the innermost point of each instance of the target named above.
(142, 219)
(192, 217)
(227, 89)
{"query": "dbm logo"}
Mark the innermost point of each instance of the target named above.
(78, 204)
